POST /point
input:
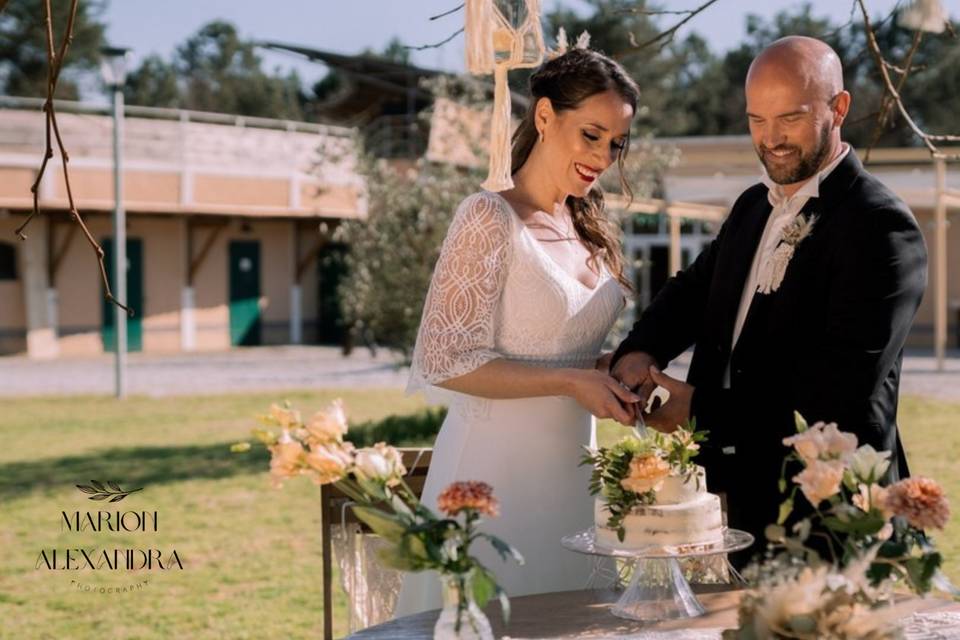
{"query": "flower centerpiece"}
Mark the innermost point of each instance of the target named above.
(418, 539)
(834, 573)
(631, 472)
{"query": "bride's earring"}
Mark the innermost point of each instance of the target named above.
(541, 136)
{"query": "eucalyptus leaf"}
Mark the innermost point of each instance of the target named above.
(505, 550)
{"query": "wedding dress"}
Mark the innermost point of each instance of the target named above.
(496, 293)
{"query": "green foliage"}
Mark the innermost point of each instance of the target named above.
(23, 46)
(690, 90)
(153, 83)
(392, 253)
(216, 70)
(416, 428)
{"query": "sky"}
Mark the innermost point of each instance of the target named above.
(350, 26)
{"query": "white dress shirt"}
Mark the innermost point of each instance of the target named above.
(785, 209)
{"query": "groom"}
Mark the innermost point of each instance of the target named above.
(802, 302)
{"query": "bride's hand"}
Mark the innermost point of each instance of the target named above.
(603, 396)
(603, 362)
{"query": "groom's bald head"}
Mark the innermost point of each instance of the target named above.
(795, 106)
(807, 63)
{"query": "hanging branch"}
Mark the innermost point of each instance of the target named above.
(55, 59)
(885, 117)
(447, 13)
(665, 37)
(436, 45)
(893, 92)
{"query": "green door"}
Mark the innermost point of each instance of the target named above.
(134, 298)
(331, 270)
(244, 293)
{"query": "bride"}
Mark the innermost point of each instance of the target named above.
(527, 286)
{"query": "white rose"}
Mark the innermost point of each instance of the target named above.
(868, 464)
(380, 463)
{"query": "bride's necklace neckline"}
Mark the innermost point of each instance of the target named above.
(540, 218)
(568, 233)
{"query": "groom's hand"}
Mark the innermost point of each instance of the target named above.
(633, 370)
(676, 410)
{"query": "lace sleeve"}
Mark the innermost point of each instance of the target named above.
(456, 332)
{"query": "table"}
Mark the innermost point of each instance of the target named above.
(585, 615)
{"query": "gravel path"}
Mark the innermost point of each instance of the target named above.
(292, 367)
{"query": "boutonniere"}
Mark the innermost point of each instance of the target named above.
(774, 267)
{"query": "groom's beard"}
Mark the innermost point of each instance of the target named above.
(805, 166)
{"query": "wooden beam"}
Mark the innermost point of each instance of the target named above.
(687, 210)
(676, 253)
(326, 555)
(323, 238)
(952, 198)
(197, 261)
(940, 266)
(308, 259)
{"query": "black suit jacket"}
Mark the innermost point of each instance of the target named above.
(828, 343)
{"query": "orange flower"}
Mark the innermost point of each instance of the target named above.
(284, 417)
(872, 497)
(285, 460)
(646, 472)
(328, 463)
(468, 495)
(327, 426)
(820, 480)
(921, 501)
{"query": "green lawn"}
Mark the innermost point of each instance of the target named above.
(251, 555)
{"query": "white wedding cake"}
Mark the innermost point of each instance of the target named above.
(683, 513)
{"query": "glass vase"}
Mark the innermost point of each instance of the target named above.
(461, 618)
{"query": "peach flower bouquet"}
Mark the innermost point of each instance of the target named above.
(834, 573)
(373, 478)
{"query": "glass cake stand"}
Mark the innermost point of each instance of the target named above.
(658, 589)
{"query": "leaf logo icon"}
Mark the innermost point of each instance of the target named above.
(111, 492)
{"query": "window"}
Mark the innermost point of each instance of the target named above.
(8, 261)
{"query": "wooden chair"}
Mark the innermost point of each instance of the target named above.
(333, 514)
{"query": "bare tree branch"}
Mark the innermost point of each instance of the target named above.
(447, 13)
(656, 12)
(436, 45)
(665, 37)
(884, 119)
(901, 70)
(55, 59)
(894, 93)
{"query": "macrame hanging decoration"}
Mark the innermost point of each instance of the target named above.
(502, 35)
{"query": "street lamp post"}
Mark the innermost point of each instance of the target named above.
(114, 70)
